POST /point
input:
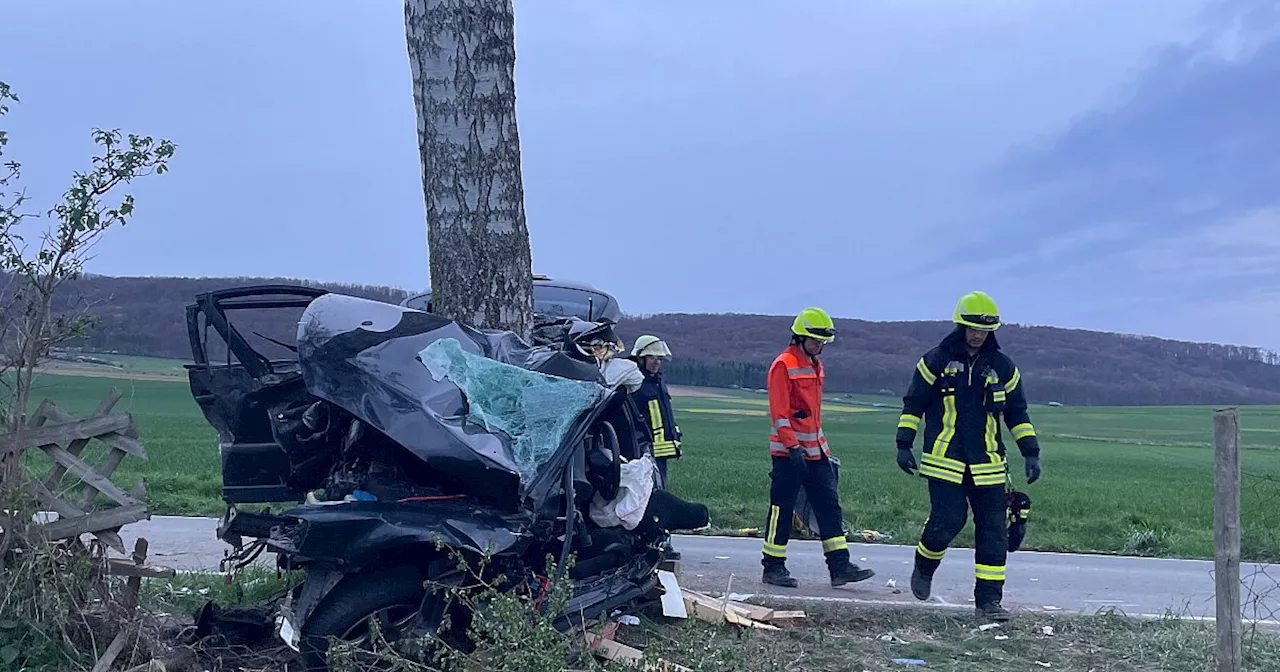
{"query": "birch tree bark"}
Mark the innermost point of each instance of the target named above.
(462, 55)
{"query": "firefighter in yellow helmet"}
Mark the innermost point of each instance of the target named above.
(960, 390)
(801, 457)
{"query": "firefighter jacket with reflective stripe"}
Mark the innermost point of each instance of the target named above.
(655, 399)
(795, 404)
(961, 399)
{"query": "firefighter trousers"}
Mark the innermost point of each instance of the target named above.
(662, 471)
(819, 483)
(948, 511)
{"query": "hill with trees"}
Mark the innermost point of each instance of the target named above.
(145, 316)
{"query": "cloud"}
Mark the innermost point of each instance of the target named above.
(1237, 249)
(1149, 213)
(1195, 138)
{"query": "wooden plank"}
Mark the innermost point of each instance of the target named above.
(133, 587)
(1226, 537)
(46, 498)
(64, 510)
(788, 618)
(89, 476)
(108, 467)
(120, 439)
(118, 567)
(711, 610)
(109, 519)
(713, 603)
(42, 413)
(48, 408)
(617, 651)
(64, 432)
(113, 651)
(753, 611)
(789, 615)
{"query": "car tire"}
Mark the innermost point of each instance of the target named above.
(398, 590)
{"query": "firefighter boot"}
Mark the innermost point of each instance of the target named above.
(776, 574)
(849, 573)
(920, 584)
(992, 610)
(843, 571)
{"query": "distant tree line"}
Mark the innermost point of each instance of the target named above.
(146, 316)
(1070, 366)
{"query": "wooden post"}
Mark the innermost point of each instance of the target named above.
(1226, 536)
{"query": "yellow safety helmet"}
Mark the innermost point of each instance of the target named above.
(650, 346)
(977, 310)
(814, 323)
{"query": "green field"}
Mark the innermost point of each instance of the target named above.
(1116, 480)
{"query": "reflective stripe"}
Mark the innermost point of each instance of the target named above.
(834, 544)
(771, 548)
(1013, 381)
(943, 462)
(908, 421)
(988, 480)
(781, 422)
(928, 554)
(993, 448)
(940, 444)
(925, 372)
(934, 472)
(655, 417)
(802, 371)
(771, 530)
(810, 452)
(988, 468)
(1023, 430)
(989, 572)
(665, 448)
(809, 436)
(998, 396)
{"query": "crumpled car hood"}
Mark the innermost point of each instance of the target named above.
(483, 407)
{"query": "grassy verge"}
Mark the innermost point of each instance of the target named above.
(1116, 480)
(843, 637)
(859, 638)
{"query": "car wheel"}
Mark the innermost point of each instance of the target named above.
(393, 596)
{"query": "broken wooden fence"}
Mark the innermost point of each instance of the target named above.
(64, 437)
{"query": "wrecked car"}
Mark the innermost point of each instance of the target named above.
(427, 439)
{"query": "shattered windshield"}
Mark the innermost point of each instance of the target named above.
(534, 409)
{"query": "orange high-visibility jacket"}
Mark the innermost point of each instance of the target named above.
(795, 404)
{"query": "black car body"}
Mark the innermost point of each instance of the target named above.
(428, 437)
(554, 298)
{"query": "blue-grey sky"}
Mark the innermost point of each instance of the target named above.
(1097, 164)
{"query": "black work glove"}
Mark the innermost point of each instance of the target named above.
(907, 460)
(1033, 469)
(796, 456)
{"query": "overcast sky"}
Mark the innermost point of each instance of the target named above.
(1098, 164)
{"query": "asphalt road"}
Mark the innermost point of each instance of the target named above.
(1045, 582)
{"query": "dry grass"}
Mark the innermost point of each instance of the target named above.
(858, 638)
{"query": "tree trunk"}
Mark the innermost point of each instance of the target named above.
(462, 55)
